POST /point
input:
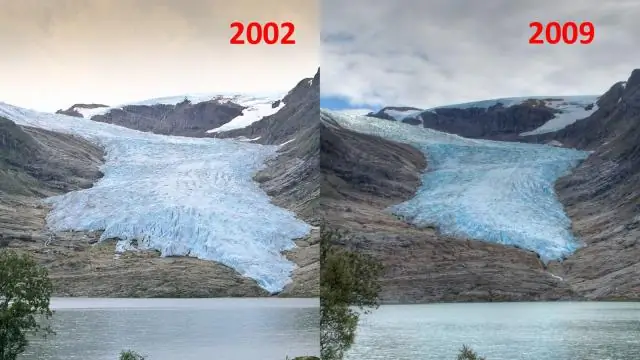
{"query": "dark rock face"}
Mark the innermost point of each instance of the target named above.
(602, 195)
(300, 112)
(495, 122)
(72, 111)
(30, 167)
(362, 175)
(182, 119)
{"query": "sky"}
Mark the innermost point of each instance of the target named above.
(438, 52)
(59, 52)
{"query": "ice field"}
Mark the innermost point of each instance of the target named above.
(501, 192)
(178, 195)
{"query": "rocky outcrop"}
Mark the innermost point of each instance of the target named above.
(602, 196)
(299, 113)
(363, 175)
(73, 110)
(39, 163)
(182, 119)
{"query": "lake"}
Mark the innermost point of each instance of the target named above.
(185, 329)
(501, 331)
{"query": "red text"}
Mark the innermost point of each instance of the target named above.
(256, 33)
(567, 33)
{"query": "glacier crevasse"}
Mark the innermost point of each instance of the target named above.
(500, 192)
(178, 195)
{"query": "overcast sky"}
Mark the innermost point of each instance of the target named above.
(58, 52)
(427, 53)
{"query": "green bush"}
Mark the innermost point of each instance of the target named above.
(25, 292)
(130, 355)
(347, 279)
(467, 354)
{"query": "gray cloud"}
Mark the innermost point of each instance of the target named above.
(437, 52)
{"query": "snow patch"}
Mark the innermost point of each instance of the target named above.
(570, 111)
(286, 142)
(88, 113)
(256, 109)
(500, 192)
(400, 115)
(181, 196)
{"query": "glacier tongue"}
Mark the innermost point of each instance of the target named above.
(499, 192)
(181, 196)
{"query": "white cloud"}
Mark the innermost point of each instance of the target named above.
(437, 52)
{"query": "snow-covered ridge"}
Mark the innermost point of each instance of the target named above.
(257, 106)
(494, 191)
(179, 195)
(569, 110)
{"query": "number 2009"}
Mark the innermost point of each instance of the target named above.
(256, 33)
(568, 32)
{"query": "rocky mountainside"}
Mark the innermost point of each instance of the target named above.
(292, 179)
(363, 175)
(29, 166)
(602, 196)
(183, 119)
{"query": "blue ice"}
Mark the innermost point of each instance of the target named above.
(500, 192)
(180, 196)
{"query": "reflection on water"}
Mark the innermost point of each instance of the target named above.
(501, 331)
(184, 329)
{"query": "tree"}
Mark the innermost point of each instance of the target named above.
(25, 291)
(348, 280)
(467, 354)
(130, 355)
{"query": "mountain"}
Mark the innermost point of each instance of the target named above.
(189, 115)
(469, 230)
(165, 204)
(364, 175)
(499, 119)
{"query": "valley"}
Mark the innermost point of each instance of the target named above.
(548, 212)
(133, 211)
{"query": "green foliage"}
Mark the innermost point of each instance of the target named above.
(130, 355)
(467, 354)
(348, 280)
(25, 291)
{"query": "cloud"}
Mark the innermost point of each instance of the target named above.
(438, 52)
(59, 52)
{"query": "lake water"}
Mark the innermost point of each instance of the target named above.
(184, 329)
(501, 331)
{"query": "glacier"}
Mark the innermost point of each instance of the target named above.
(499, 192)
(180, 196)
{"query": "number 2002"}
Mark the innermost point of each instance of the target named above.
(568, 32)
(269, 33)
